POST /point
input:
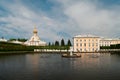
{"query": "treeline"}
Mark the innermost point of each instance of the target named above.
(19, 39)
(61, 43)
(116, 46)
(6, 46)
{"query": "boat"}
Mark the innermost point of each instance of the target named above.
(70, 54)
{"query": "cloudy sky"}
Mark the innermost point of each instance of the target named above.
(57, 19)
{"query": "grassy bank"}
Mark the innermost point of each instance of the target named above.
(7, 47)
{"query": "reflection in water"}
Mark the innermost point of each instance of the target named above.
(32, 61)
(90, 63)
(55, 67)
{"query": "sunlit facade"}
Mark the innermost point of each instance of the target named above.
(86, 43)
(91, 43)
(108, 42)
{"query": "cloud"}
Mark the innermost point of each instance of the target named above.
(91, 18)
(65, 19)
(23, 19)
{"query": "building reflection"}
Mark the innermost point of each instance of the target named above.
(89, 61)
(32, 61)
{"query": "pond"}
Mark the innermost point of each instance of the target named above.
(54, 67)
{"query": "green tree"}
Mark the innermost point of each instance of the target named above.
(19, 39)
(62, 42)
(49, 44)
(22, 39)
(12, 39)
(69, 43)
(56, 43)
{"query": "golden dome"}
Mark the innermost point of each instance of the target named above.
(35, 30)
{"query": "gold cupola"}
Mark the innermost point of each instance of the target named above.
(35, 30)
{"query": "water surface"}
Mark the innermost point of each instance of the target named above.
(54, 67)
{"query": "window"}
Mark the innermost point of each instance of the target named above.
(80, 40)
(76, 49)
(80, 49)
(92, 44)
(84, 39)
(96, 44)
(84, 44)
(80, 44)
(89, 44)
(93, 49)
(76, 44)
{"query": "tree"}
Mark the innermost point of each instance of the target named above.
(69, 43)
(49, 44)
(19, 39)
(56, 43)
(12, 39)
(22, 39)
(62, 42)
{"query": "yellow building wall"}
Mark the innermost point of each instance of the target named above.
(86, 44)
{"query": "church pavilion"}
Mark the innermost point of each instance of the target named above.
(35, 40)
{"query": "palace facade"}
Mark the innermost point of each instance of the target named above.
(108, 42)
(86, 43)
(91, 43)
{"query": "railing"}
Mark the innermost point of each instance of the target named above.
(56, 50)
(109, 49)
(49, 50)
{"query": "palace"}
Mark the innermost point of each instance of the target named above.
(35, 40)
(3, 40)
(108, 42)
(86, 43)
(91, 43)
